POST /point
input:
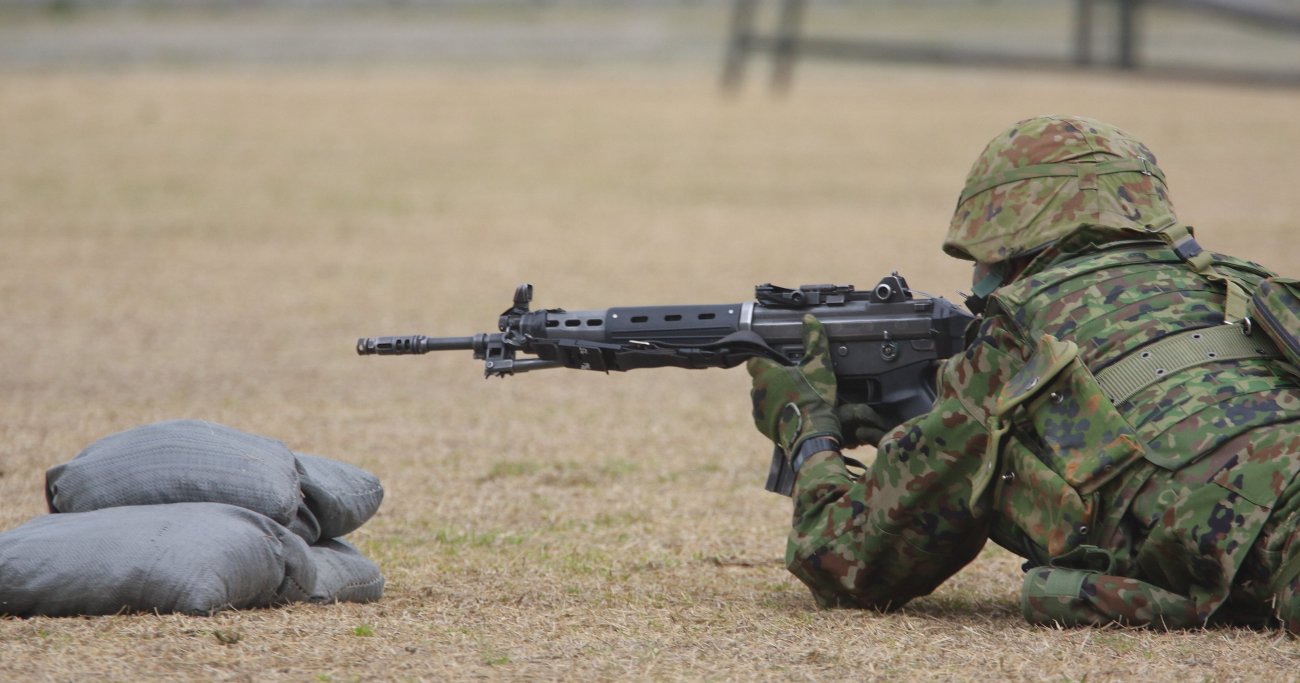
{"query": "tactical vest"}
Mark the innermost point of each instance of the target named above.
(1133, 382)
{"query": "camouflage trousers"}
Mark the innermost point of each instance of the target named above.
(1265, 594)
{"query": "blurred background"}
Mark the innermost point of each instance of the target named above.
(1251, 35)
(203, 204)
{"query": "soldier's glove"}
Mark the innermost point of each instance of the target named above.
(860, 425)
(794, 403)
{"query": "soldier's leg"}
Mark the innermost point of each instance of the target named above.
(1079, 597)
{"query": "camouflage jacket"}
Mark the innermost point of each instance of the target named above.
(1139, 507)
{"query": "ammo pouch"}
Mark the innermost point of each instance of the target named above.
(1275, 309)
(1068, 440)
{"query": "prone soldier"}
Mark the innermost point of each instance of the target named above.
(1114, 419)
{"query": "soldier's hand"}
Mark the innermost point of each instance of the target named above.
(860, 425)
(793, 403)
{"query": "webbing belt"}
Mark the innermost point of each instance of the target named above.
(1142, 368)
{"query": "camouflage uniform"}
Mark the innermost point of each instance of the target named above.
(1103, 422)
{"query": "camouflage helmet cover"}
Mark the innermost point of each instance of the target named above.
(1045, 177)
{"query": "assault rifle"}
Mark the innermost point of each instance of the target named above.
(885, 343)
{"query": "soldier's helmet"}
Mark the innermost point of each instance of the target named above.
(1045, 177)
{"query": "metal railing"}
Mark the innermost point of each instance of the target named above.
(787, 43)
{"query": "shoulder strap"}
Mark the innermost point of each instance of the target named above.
(1181, 239)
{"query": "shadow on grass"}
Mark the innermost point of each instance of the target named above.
(945, 608)
(963, 607)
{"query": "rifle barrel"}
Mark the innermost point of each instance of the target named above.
(411, 344)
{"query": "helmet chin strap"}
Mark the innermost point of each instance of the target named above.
(993, 278)
(995, 274)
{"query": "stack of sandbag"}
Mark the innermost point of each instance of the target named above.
(193, 517)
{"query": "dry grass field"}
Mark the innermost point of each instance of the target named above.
(209, 242)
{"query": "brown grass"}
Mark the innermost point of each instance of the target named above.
(209, 243)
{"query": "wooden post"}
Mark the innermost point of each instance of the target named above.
(786, 48)
(739, 44)
(1083, 13)
(1126, 53)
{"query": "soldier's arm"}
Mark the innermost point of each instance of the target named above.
(907, 524)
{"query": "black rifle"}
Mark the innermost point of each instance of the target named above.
(885, 343)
